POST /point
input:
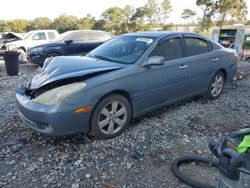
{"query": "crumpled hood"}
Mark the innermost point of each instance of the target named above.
(59, 68)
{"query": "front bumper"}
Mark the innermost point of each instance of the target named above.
(54, 120)
(36, 58)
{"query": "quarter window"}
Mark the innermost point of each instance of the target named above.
(170, 50)
(196, 46)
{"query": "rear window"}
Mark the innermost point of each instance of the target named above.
(51, 35)
(98, 36)
(79, 36)
(196, 46)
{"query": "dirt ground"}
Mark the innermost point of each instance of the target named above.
(140, 157)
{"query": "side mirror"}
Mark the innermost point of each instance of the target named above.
(154, 61)
(68, 41)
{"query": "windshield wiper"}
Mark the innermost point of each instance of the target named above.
(102, 57)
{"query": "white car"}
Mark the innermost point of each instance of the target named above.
(32, 38)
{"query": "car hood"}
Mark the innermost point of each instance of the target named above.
(62, 68)
(12, 35)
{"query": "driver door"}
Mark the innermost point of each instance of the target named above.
(159, 85)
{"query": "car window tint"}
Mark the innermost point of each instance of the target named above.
(196, 46)
(170, 49)
(98, 36)
(77, 37)
(39, 36)
(51, 35)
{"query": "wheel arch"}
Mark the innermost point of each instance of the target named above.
(224, 72)
(53, 52)
(119, 92)
(22, 48)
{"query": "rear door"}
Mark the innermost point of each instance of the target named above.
(201, 60)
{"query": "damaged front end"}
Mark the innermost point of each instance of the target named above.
(57, 81)
(40, 101)
(35, 92)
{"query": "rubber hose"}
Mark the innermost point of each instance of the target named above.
(189, 159)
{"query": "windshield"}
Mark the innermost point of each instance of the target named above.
(62, 36)
(122, 49)
(28, 35)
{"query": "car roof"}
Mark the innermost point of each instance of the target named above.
(158, 34)
(92, 31)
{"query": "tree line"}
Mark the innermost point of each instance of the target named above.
(152, 16)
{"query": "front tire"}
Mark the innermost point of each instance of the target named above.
(53, 54)
(110, 117)
(216, 86)
(22, 56)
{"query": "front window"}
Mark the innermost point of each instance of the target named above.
(27, 36)
(170, 49)
(39, 36)
(62, 37)
(122, 49)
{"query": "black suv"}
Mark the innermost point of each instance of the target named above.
(77, 42)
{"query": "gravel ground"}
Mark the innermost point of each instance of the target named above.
(140, 157)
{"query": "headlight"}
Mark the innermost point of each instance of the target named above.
(38, 49)
(11, 47)
(56, 95)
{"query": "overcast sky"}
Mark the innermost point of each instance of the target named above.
(30, 9)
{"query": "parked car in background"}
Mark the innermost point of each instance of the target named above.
(32, 38)
(77, 42)
(9, 37)
(123, 78)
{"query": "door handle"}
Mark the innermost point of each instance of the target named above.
(215, 59)
(183, 66)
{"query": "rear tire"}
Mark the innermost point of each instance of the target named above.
(216, 86)
(110, 117)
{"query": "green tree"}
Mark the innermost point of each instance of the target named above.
(166, 9)
(18, 25)
(188, 14)
(138, 19)
(86, 22)
(168, 27)
(128, 13)
(151, 10)
(99, 25)
(40, 23)
(235, 9)
(65, 23)
(3, 26)
(208, 9)
(114, 19)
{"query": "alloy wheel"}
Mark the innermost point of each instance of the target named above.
(112, 117)
(217, 85)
